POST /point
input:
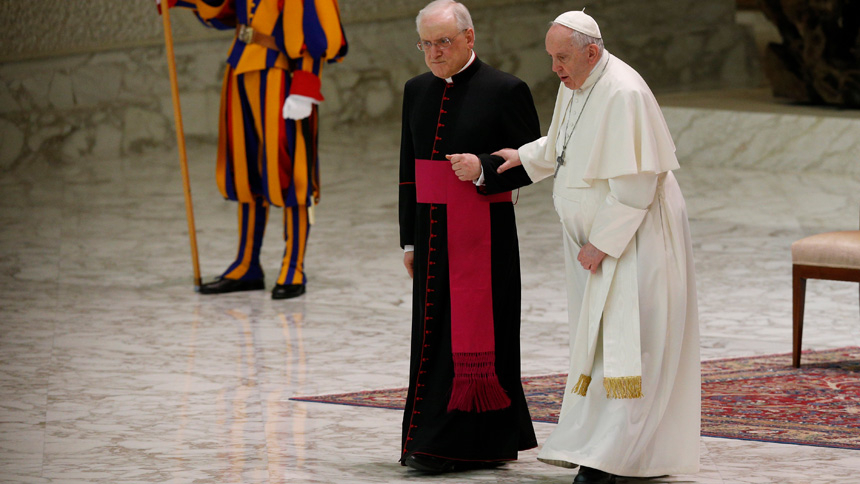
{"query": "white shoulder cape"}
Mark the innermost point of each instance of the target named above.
(621, 131)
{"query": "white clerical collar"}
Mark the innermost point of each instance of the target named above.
(450, 80)
(596, 71)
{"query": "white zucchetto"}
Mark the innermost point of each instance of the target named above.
(579, 21)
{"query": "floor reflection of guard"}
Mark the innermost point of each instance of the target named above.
(267, 143)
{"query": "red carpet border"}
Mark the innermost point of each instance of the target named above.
(758, 398)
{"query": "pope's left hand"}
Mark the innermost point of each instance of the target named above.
(466, 166)
(297, 107)
(590, 257)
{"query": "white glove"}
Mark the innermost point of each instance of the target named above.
(298, 107)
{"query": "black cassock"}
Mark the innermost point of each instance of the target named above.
(482, 111)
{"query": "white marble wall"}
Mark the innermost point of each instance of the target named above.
(749, 129)
(109, 96)
(766, 141)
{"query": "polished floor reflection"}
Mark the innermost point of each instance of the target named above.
(113, 370)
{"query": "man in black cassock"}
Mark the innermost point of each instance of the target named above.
(465, 406)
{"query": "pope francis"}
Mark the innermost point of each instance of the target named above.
(632, 402)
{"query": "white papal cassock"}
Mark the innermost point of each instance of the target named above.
(616, 190)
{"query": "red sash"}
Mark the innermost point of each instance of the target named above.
(476, 386)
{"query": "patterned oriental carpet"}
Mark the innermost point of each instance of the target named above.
(759, 398)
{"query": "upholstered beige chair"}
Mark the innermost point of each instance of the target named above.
(833, 256)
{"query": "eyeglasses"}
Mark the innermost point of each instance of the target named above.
(441, 44)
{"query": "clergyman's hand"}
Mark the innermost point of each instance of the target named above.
(409, 262)
(590, 257)
(511, 157)
(466, 166)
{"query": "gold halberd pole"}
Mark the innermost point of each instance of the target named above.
(180, 140)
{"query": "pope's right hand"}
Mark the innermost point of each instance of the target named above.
(511, 157)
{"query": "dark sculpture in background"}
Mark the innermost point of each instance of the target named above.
(818, 61)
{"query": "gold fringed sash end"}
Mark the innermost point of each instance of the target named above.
(623, 387)
(581, 386)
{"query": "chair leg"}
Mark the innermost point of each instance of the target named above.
(798, 299)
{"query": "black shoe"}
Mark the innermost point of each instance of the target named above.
(222, 286)
(438, 465)
(429, 464)
(287, 291)
(587, 475)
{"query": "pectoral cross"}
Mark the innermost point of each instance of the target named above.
(558, 162)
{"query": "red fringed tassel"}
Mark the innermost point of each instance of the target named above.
(476, 387)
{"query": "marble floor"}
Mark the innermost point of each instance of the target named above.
(113, 370)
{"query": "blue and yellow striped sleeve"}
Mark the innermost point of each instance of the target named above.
(312, 34)
(219, 14)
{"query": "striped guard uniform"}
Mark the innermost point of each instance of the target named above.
(263, 159)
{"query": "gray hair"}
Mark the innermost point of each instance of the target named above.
(461, 13)
(581, 40)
